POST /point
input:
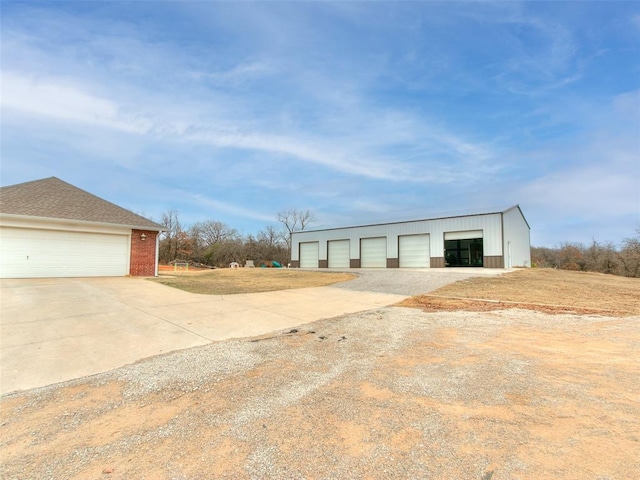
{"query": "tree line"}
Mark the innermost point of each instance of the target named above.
(595, 257)
(216, 244)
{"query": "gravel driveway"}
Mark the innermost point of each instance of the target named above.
(411, 281)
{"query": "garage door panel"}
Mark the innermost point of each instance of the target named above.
(309, 254)
(463, 235)
(373, 252)
(33, 253)
(414, 251)
(338, 254)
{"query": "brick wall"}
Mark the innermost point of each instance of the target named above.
(143, 253)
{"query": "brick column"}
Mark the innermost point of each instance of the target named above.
(143, 253)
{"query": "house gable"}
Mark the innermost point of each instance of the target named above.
(51, 228)
(54, 198)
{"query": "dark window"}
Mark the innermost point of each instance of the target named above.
(463, 253)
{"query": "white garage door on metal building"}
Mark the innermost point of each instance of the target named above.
(413, 251)
(338, 253)
(309, 254)
(373, 252)
(34, 253)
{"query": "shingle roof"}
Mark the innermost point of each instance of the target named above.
(53, 198)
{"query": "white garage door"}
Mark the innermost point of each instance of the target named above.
(339, 254)
(466, 235)
(309, 255)
(373, 252)
(31, 253)
(414, 251)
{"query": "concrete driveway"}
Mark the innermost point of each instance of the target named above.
(58, 329)
(52, 330)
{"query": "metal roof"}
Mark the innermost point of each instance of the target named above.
(54, 198)
(499, 210)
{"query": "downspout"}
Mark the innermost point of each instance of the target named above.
(130, 247)
(502, 232)
(157, 252)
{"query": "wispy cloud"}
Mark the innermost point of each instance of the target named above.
(359, 110)
(354, 153)
(61, 101)
(216, 206)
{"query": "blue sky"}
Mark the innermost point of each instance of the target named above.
(362, 112)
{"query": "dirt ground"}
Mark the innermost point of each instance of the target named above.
(392, 393)
(540, 289)
(228, 281)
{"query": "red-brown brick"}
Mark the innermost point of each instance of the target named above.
(143, 253)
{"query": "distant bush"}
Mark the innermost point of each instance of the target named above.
(597, 257)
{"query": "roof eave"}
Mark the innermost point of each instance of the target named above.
(446, 217)
(81, 222)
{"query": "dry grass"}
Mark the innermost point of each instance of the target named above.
(547, 290)
(248, 280)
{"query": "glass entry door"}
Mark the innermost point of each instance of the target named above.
(463, 253)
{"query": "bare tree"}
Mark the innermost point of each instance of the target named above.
(570, 256)
(271, 245)
(271, 237)
(630, 256)
(544, 257)
(294, 220)
(215, 243)
(170, 239)
(601, 258)
(211, 232)
(223, 253)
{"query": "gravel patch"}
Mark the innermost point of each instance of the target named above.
(410, 281)
(389, 393)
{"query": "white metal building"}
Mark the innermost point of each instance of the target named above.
(494, 240)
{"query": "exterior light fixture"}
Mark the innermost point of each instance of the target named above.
(143, 237)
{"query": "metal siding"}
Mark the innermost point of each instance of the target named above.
(338, 253)
(516, 239)
(490, 224)
(414, 251)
